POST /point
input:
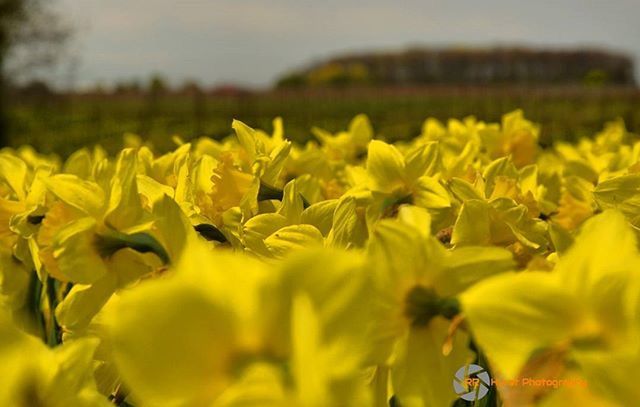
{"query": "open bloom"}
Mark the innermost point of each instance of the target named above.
(580, 320)
(416, 280)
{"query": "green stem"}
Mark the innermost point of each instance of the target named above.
(210, 232)
(37, 324)
(267, 192)
(492, 398)
(119, 396)
(112, 241)
(54, 335)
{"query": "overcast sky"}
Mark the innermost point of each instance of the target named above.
(251, 42)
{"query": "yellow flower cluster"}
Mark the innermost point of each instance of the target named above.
(345, 272)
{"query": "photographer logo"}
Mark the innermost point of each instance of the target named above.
(471, 382)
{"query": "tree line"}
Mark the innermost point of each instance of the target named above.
(469, 66)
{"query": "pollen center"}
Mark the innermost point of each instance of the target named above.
(421, 305)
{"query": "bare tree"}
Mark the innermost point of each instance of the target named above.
(31, 36)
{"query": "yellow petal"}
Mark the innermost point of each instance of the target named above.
(385, 166)
(172, 343)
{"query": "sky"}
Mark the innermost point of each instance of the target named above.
(252, 42)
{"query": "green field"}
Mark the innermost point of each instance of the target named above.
(66, 123)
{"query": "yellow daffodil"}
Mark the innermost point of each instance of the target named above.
(34, 375)
(251, 271)
(584, 314)
(294, 342)
(416, 280)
